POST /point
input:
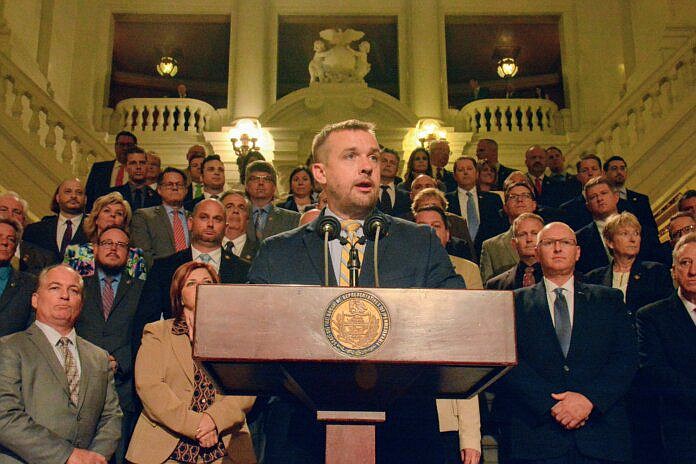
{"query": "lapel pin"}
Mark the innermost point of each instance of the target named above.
(636, 277)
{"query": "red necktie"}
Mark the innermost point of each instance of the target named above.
(119, 176)
(528, 278)
(179, 236)
(107, 297)
(537, 185)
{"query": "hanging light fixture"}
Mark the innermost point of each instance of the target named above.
(507, 67)
(167, 67)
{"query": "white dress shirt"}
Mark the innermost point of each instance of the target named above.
(568, 293)
(215, 257)
(464, 199)
(690, 307)
(60, 230)
(53, 336)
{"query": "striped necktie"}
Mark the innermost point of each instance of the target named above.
(70, 367)
(179, 235)
(107, 297)
(351, 228)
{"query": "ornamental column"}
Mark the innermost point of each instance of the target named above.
(425, 68)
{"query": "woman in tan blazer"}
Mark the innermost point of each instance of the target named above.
(184, 418)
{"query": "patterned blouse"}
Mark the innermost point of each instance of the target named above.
(81, 258)
(188, 450)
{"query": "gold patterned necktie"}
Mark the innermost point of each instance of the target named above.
(70, 369)
(351, 228)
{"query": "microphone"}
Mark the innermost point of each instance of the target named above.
(376, 226)
(330, 225)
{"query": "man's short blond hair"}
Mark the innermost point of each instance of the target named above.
(349, 125)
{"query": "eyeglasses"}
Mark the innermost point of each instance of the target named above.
(520, 196)
(260, 179)
(171, 185)
(564, 242)
(111, 244)
(683, 231)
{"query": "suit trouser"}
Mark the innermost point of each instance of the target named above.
(130, 418)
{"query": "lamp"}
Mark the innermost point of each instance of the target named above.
(245, 132)
(507, 67)
(429, 131)
(167, 67)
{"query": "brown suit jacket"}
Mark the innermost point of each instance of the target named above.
(164, 380)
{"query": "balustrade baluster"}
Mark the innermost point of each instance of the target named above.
(34, 122)
(170, 118)
(50, 140)
(190, 120)
(139, 118)
(160, 119)
(180, 121)
(17, 107)
(67, 155)
(147, 117)
(623, 137)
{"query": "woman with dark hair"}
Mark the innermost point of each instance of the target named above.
(418, 163)
(185, 418)
(108, 210)
(487, 176)
(302, 195)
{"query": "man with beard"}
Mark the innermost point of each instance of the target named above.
(589, 167)
(236, 240)
(266, 219)
(617, 172)
(55, 233)
(206, 229)
(347, 165)
(111, 299)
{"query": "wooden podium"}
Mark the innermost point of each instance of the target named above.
(347, 353)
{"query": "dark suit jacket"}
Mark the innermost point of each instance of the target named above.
(154, 300)
(98, 181)
(33, 258)
(601, 363)
(38, 423)
(151, 198)
(447, 179)
(503, 173)
(639, 204)
(667, 340)
(552, 193)
(16, 312)
(296, 257)
(402, 204)
(512, 278)
(43, 234)
(113, 334)
(490, 222)
(647, 282)
(457, 247)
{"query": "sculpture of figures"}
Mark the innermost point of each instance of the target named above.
(316, 66)
(341, 63)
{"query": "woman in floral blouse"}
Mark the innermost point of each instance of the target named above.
(108, 210)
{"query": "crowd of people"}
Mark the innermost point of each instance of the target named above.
(97, 304)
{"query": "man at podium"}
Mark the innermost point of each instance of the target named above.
(347, 164)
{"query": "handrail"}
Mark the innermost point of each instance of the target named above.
(639, 111)
(44, 120)
(164, 115)
(511, 115)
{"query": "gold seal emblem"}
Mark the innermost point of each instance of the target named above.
(356, 323)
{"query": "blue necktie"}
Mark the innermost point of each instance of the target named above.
(561, 316)
(471, 217)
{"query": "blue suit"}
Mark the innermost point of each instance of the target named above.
(601, 363)
(286, 431)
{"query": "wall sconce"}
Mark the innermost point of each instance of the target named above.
(244, 135)
(429, 131)
(167, 67)
(507, 67)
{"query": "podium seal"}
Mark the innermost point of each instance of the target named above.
(356, 323)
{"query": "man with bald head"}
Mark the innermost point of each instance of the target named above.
(577, 355)
(56, 232)
(439, 157)
(206, 230)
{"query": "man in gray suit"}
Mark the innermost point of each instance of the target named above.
(497, 253)
(161, 230)
(16, 287)
(58, 403)
(266, 219)
(111, 299)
